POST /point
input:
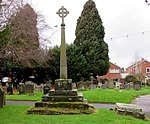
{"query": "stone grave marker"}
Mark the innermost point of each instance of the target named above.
(93, 86)
(29, 87)
(38, 87)
(46, 89)
(117, 88)
(80, 85)
(2, 98)
(9, 90)
(127, 86)
(99, 84)
(110, 84)
(103, 86)
(137, 86)
(21, 88)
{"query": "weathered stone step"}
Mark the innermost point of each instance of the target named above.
(63, 93)
(60, 110)
(74, 105)
(78, 98)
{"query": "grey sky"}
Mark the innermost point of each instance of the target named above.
(124, 22)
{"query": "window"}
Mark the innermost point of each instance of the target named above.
(148, 70)
(114, 70)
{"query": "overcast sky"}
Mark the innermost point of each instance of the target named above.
(126, 22)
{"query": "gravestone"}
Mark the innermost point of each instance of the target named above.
(147, 84)
(127, 86)
(137, 86)
(131, 84)
(2, 98)
(93, 86)
(46, 89)
(38, 87)
(103, 86)
(21, 88)
(99, 84)
(29, 87)
(117, 88)
(80, 85)
(9, 90)
(110, 84)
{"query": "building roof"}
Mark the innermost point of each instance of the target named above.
(112, 65)
(138, 62)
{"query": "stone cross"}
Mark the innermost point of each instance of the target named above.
(62, 12)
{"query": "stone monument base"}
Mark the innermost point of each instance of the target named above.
(57, 108)
(62, 100)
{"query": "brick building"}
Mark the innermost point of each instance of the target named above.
(140, 67)
(113, 73)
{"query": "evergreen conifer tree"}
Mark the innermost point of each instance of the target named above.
(90, 39)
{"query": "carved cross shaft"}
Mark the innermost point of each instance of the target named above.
(62, 12)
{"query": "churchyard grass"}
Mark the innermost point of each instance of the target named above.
(96, 96)
(36, 96)
(13, 114)
(112, 96)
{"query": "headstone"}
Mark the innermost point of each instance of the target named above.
(137, 86)
(87, 84)
(131, 84)
(80, 85)
(99, 84)
(21, 88)
(93, 86)
(38, 87)
(2, 98)
(103, 86)
(117, 86)
(9, 90)
(110, 84)
(46, 89)
(127, 86)
(147, 84)
(29, 87)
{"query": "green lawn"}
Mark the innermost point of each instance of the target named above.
(12, 114)
(112, 96)
(27, 97)
(97, 96)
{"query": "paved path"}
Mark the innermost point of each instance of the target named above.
(31, 103)
(143, 102)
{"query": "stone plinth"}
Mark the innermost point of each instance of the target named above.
(129, 109)
(63, 98)
(63, 84)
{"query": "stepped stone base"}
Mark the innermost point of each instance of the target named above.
(56, 108)
(64, 100)
(63, 96)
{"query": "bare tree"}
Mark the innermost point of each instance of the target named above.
(20, 38)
